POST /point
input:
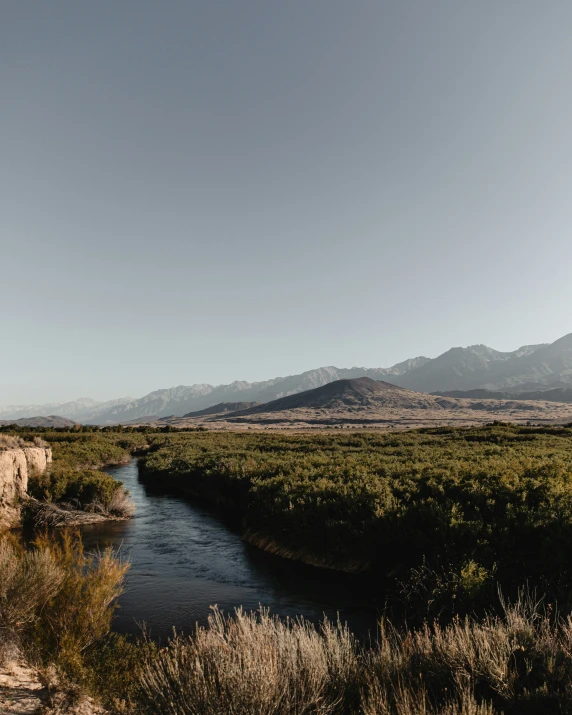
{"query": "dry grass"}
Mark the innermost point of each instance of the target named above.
(121, 505)
(520, 662)
(7, 441)
(56, 600)
(81, 612)
(28, 580)
(48, 515)
(251, 663)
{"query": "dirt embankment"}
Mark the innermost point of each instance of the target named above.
(16, 465)
(24, 692)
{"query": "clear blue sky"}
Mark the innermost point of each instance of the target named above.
(208, 191)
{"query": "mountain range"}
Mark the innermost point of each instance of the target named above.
(531, 369)
(362, 401)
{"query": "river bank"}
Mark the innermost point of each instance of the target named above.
(230, 498)
(186, 556)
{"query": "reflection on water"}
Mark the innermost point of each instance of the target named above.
(185, 559)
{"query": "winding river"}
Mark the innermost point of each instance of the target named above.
(185, 558)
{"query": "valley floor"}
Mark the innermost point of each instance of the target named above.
(388, 420)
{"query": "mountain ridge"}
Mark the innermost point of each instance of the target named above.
(223, 408)
(535, 367)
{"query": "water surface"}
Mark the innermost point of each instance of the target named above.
(185, 558)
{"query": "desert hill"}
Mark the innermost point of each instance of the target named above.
(49, 421)
(363, 401)
(361, 393)
(367, 402)
(556, 394)
(223, 408)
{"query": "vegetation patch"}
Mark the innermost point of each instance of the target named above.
(440, 517)
(453, 511)
(73, 482)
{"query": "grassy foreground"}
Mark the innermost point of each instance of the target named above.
(56, 604)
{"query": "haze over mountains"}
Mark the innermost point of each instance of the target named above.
(478, 366)
(531, 369)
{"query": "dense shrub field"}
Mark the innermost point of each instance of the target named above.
(449, 509)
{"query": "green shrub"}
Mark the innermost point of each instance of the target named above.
(57, 601)
(83, 486)
(79, 614)
(73, 476)
(498, 496)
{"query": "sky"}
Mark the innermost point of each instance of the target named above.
(205, 191)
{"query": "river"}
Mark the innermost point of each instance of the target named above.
(185, 558)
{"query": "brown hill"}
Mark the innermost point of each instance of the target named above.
(151, 419)
(557, 394)
(357, 394)
(367, 402)
(223, 408)
(49, 421)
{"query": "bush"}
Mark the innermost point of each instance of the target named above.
(475, 502)
(72, 479)
(517, 663)
(64, 484)
(28, 581)
(251, 664)
(520, 662)
(56, 601)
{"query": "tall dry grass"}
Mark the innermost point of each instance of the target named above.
(48, 515)
(121, 504)
(252, 663)
(82, 610)
(8, 441)
(518, 662)
(11, 442)
(28, 581)
(56, 600)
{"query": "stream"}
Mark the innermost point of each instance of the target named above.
(184, 559)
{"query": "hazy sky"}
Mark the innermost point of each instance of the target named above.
(208, 191)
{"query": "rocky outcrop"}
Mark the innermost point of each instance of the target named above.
(16, 466)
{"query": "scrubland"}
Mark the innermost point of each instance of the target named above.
(464, 533)
(448, 513)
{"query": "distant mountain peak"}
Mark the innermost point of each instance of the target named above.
(460, 368)
(346, 393)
